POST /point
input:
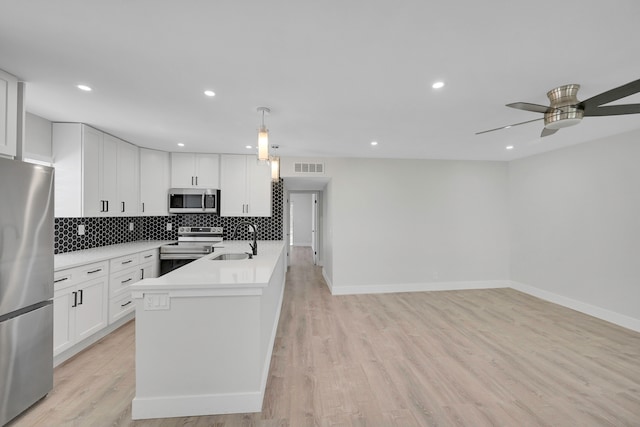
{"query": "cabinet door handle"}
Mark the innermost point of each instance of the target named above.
(127, 262)
(125, 304)
(122, 207)
(126, 281)
(142, 207)
(75, 299)
(141, 273)
(94, 271)
(196, 180)
(81, 294)
(191, 180)
(107, 202)
(61, 280)
(148, 256)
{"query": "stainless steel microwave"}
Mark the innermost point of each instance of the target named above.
(194, 200)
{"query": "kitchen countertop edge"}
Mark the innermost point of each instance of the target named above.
(243, 276)
(87, 256)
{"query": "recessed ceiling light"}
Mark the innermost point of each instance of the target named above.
(509, 147)
(374, 143)
(437, 85)
(180, 144)
(84, 88)
(248, 147)
(209, 93)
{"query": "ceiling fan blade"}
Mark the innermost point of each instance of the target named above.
(508, 126)
(547, 132)
(527, 106)
(609, 96)
(613, 110)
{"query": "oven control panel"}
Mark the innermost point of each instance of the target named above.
(200, 230)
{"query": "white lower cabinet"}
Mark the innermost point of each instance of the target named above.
(89, 298)
(79, 304)
(126, 271)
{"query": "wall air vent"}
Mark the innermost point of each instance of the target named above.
(308, 168)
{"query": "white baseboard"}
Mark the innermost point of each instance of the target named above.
(182, 406)
(591, 310)
(582, 307)
(417, 287)
(327, 281)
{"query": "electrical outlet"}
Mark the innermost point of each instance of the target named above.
(80, 229)
(130, 226)
(169, 227)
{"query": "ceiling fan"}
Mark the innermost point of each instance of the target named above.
(565, 109)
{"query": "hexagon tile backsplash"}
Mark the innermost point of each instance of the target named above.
(113, 230)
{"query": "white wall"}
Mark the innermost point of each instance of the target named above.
(403, 224)
(302, 225)
(575, 226)
(37, 140)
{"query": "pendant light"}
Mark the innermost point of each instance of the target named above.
(275, 164)
(263, 137)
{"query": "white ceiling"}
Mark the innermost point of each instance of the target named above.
(337, 74)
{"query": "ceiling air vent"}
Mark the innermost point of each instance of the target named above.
(308, 167)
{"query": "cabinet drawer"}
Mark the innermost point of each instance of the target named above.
(120, 307)
(71, 276)
(123, 262)
(148, 256)
(120, 282)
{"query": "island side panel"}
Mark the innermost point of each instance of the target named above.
(197, 356)
(271, 303)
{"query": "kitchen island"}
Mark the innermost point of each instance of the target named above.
(205, 333)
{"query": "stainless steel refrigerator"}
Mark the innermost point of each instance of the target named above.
(26, 285)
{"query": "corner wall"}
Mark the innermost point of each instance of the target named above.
(575, 227)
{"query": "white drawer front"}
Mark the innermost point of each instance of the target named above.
(120, 307)
(124, 262)
(71, 276)
(148, 256)
(120, 282)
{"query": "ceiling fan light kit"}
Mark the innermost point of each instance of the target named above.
(566, 110)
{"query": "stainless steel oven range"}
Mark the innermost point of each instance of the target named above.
(193, 243)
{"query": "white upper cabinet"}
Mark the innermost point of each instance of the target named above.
(96, 173)
(8, 113)
(245, 186)
(127, 178)
(108, 161)
(195, 170)
(154, 182)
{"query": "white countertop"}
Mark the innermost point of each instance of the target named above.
(87, 256)
(204, 273)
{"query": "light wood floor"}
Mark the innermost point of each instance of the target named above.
(461, 358)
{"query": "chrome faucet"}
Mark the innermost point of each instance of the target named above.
(254, 246)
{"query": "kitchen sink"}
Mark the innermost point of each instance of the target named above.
(230, 256)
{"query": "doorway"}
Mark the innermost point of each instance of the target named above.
(304, 222)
